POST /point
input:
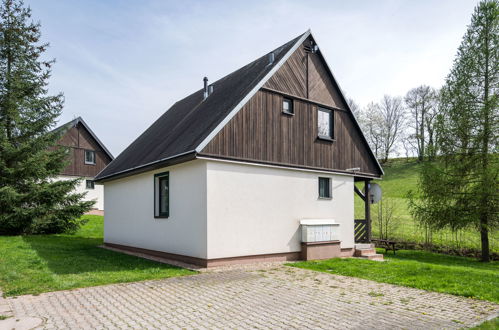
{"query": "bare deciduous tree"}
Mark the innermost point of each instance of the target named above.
(371, 123)
(356, 110)
(392, 113)
(430, 121)
(382, 124)
(408, 145)
(422, 104)
(385, 218)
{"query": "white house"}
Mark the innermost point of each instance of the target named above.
(87, 157)
(259, 165)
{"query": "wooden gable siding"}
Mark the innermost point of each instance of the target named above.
(291, 76)
(79, 140)
(261, 132)
(305, 75)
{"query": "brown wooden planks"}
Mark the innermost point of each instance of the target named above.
(291, 77)
(79, 140)
(261, 132)
(321, 88)
(304, 70)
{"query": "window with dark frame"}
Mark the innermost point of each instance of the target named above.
(89, 157)
(90, 184)
(162, 195)
(287, 106)
(325, 123)
(324, 188)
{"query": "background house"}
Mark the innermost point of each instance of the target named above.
(87, 157)
(228, 173)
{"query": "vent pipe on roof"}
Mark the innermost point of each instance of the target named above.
(271, 58)
(205, 88)
(210, 90)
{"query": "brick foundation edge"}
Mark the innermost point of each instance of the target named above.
(347, 252)
(287, 256)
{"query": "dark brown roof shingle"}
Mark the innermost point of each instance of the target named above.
(183, 127)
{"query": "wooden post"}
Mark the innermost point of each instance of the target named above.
(367, 206)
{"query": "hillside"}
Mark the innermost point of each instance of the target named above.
(401, 176)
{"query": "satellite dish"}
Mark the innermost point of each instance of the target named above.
(374, 193)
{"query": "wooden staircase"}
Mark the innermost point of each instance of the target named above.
(367, 251)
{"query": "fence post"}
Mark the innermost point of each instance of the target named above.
(367, 206)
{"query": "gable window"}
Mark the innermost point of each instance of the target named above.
(325, 123)
(162, 195)
(325, 188)
(90, 184)
(287, 106)
(89, 157)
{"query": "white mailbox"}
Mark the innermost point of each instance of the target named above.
(319, 230)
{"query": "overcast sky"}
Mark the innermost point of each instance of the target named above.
(122, 63)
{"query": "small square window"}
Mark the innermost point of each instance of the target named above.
(325, 123)
(324, 188)
(90, 184)
(89, 157)
(162, 195)
(287, 106)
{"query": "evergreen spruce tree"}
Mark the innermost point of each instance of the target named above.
(31, 201)
(461, 188)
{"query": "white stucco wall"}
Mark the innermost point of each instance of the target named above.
(96, 194)
(129, 211)
(223, 209)
(256, 210)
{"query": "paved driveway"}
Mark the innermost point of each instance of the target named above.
(269, 296)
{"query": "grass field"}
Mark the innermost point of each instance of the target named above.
(420, 269)
(401, 177)
(36, 264)
(489, 325)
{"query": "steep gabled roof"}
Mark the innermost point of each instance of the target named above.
(190, 124)
(79, 120)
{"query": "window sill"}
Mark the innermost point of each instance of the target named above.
(89, 163)
(325, 138)
(161, 216)
(325, 198)
(288, 113)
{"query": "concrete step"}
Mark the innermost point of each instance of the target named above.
(364, 252)
(364, 246)
(375, 256)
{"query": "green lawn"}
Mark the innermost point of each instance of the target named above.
(489, 325)
(423, 270)
(35, 264)
(400, 177)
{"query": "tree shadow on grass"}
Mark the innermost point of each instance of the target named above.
(74, 255)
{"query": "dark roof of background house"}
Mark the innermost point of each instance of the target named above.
(79, 120)
(182, 128)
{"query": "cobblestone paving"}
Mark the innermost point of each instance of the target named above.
(272, 296)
